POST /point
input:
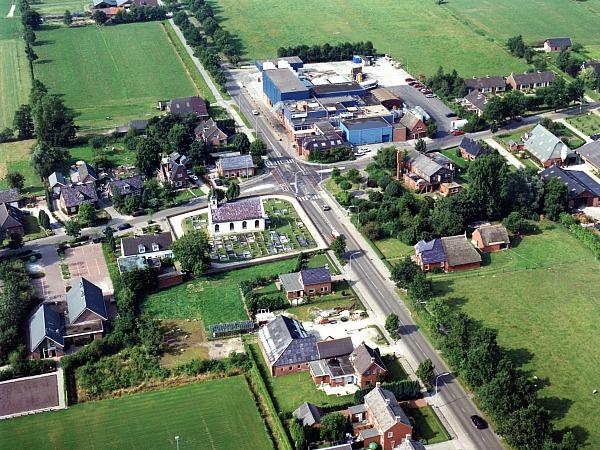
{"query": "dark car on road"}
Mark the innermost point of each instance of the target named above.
(123, 226)
(595, 137)
(478, 422)
(451, 114)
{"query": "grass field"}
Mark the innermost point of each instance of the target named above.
(15, 80)
(120, 71)
(14, 157)
(588, 124)
(150, 420)
(423, 35)
(59, 6)
(212, 298)
(542, 298)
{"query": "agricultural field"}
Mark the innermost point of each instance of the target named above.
(588, 124)
(211, 298)
(120, 74)
(149, 420)
(541, 296)
(15, 79)
(58, 7)
(422, 36)
(14, 157)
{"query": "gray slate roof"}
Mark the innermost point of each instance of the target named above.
(431, 251)
(323, 141)
(291, 282)
(130, 246)
(591, 153)
(45, 323)
(577, 182)
(57, 179)
(86, 173)
(85, 295)
(428, 164)
(384, 412)
(364, 356)
(534, 77)
(459, 250)
(186, 105)
(317, 275)
(494, 234)
(485, 82)
(10, 217)
(77, 194)
(335, 347)
(559, 42)
(308, 414)
(544, 145)
(242, 209)
(127, 185)
(236, 162)
(9, 196)
(472, 147)
(209, 128)
(285, 341)
(478, 100)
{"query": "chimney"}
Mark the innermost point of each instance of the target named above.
(387, 401)
(408, 437)
(372, 359)
(377, 384)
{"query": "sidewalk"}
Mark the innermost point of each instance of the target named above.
(225, 104)
(507, 155)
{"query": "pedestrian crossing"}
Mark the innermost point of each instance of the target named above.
(305, 198)
(278, 162)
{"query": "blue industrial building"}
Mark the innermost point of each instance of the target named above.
(283, 84)
(372, 130)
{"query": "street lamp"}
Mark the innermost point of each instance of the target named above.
(177, 442)
(436, 386)
(350, 259)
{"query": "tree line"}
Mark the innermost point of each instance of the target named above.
(142, 13)
(328, 52)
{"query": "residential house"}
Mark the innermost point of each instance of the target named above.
(45, 333)
(240, 216)
(126, 186)
(491, 238)
(11, 220)
(424, 172)
(449, 253)
(149, 246)
(187, 105)
(72, 197)
(380, 419)
(548, 149)
(10, 197)
(590, 153)
(319, 142)
(174, 169)
(306, 283)
(308, 414)
(83, 173)
(86, 313)
(476, 102)
(286, 346)
(235, 166)
(340, 364)
(410, 444)
(595, 65)
(485, 85)
(557, 44)
(57, 181)
(583, 189)
(138, 125)
(209, 132)
(532, 80)
(416, 128)
(471, 149)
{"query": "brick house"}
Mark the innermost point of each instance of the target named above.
(11, 220)
(126, 186)
(72, 197)
(236, 166)
(45, 333)
(547, 148)
(306, 283)
(286, 346)
(485, 85)
(10, 196)
(583, 189)
(209, 132)
(490, 238)
(416, 128)
(319, 142)
(424, 172)
(340, 364)
(187, 105)
(450, 253)
(471, 149)
(174, 169)
(557, 44)
(532, 80)
(380, 419)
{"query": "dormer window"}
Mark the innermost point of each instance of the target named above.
(155, 247)
(141, 248)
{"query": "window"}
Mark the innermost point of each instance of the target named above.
(231, 226)
(256, 223)
(290, 368)
(311, 291)
(155, 247)
(141, 248)
(217, 228)
(244, 225)
(390, 434)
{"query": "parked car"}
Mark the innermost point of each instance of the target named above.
(408, 80)
(123, 226)
(478, 422)
(457, 132)
(595, 137)
(218, 182)
(417, 85)
(430, 95)
(451, 114)
(194, 177)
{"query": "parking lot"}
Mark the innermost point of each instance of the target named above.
(433, 106)
(88, 261)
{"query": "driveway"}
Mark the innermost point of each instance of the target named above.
(51, 287)
(88, 261)
(433, 106)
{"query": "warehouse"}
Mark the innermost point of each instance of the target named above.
(286, 61)
(337, 89)
(283, 84)
(371, 130)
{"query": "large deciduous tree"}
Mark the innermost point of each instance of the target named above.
(53, 121)
(192, 251)
(23, 122)
(46, 159)
(147, 157)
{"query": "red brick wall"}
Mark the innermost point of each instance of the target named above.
(292, 368)
(317, 288)
(399, 431)
(448, 268)
(399, 134)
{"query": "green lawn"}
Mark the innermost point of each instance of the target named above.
(321, 260)
(120, 156)
(118, 71)
(542, 298)
(461, 164)
(59, 6)
(290, 391)
(213, 298)
(395, 370)
(588, 124)
(393, 248)
(337, 299)
(14, 157)
(423, 35)
(426, 425)
(213, 414)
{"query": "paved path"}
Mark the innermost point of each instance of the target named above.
(507, 155)
(11, 12)
(225, 104)
(579, 133)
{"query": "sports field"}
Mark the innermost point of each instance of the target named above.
(15, 80)
(116, 71)
(229, 420)
(421, 35)
(542, 297)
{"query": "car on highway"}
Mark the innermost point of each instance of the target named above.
(326, 207)
(478, 422)
(457, 132)
(124, 226)
(255, 112)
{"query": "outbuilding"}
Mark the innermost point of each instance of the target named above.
(491, 238)
(373, 130)
(281, 85)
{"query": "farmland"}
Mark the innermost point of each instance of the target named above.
(111, 79)
(59, 6)
(150, 420)
(14, 157)
(541, 296)
(422, 36)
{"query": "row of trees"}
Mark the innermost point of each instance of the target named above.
(327, 52)
(142, 13)
(447, 85)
